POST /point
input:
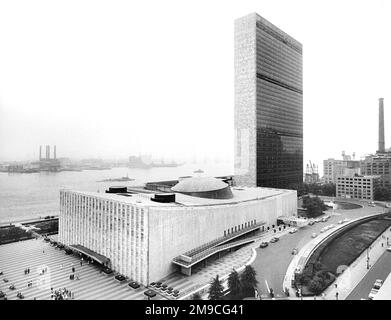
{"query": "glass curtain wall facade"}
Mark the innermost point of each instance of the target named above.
(275, 149)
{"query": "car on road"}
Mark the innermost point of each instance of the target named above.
(346, 220)
(311, 222)
(389, 248)
(378, 283)
(341, 222)
(371, 204)
(263, 244)
(274, 239)
(314, 235)
(325, 218)
(295, 251)
(373, 293)
(293, 230)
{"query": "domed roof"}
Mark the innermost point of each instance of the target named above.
(199, 184)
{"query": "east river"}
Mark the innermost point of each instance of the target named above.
(31, 195)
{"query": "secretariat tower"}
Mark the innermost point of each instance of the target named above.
(268, 105)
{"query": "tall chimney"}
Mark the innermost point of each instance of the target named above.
(54, 154)
(40, 153)
(381, 126)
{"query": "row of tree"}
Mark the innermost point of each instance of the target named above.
(239, 286)
(326, 189)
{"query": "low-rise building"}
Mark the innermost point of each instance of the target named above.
(146, 236)
(357, 187)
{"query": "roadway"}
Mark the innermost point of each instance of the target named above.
(271, 263)
(380, 270)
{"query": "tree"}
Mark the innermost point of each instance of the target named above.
(314, 205)
(234, 283)
(216, 289)
(316, 285)
(248, 281)
(196, 296)
(382, 194)
(329, 189)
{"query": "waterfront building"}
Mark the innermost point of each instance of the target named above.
(146, 236)
(268, 105)
(357, 187)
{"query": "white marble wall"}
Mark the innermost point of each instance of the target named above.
(174, 231)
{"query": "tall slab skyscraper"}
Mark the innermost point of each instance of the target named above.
(268, 105)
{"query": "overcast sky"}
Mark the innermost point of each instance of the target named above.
(113, 78)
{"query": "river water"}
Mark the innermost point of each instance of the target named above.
(24, 196)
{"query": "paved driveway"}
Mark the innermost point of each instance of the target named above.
(272, 262)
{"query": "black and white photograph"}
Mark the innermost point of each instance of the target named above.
(169, 151)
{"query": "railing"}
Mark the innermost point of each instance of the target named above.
(199, 257)
(221, 240)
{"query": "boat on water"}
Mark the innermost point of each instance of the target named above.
(122, 179)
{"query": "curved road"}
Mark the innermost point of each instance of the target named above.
(271, 263)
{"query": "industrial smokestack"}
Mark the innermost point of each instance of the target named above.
(381, 126)
(40, 153)
(54, 153)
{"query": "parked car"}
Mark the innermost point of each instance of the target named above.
(314, 235)
(274, 239)
(311, 222)
(371, 204)
(378, 283)
(295, 251)
(373, 293)
(341, 222)
(346, 220)
(263, 244)
(325, 218)
(389, 248)
(293, 230)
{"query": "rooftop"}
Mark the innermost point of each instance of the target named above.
(144, 199)
(199, 184)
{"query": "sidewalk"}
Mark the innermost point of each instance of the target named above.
(347, 281)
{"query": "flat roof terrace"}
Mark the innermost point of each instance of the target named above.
(144, 199)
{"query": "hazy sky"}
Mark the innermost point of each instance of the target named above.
(112, 78)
